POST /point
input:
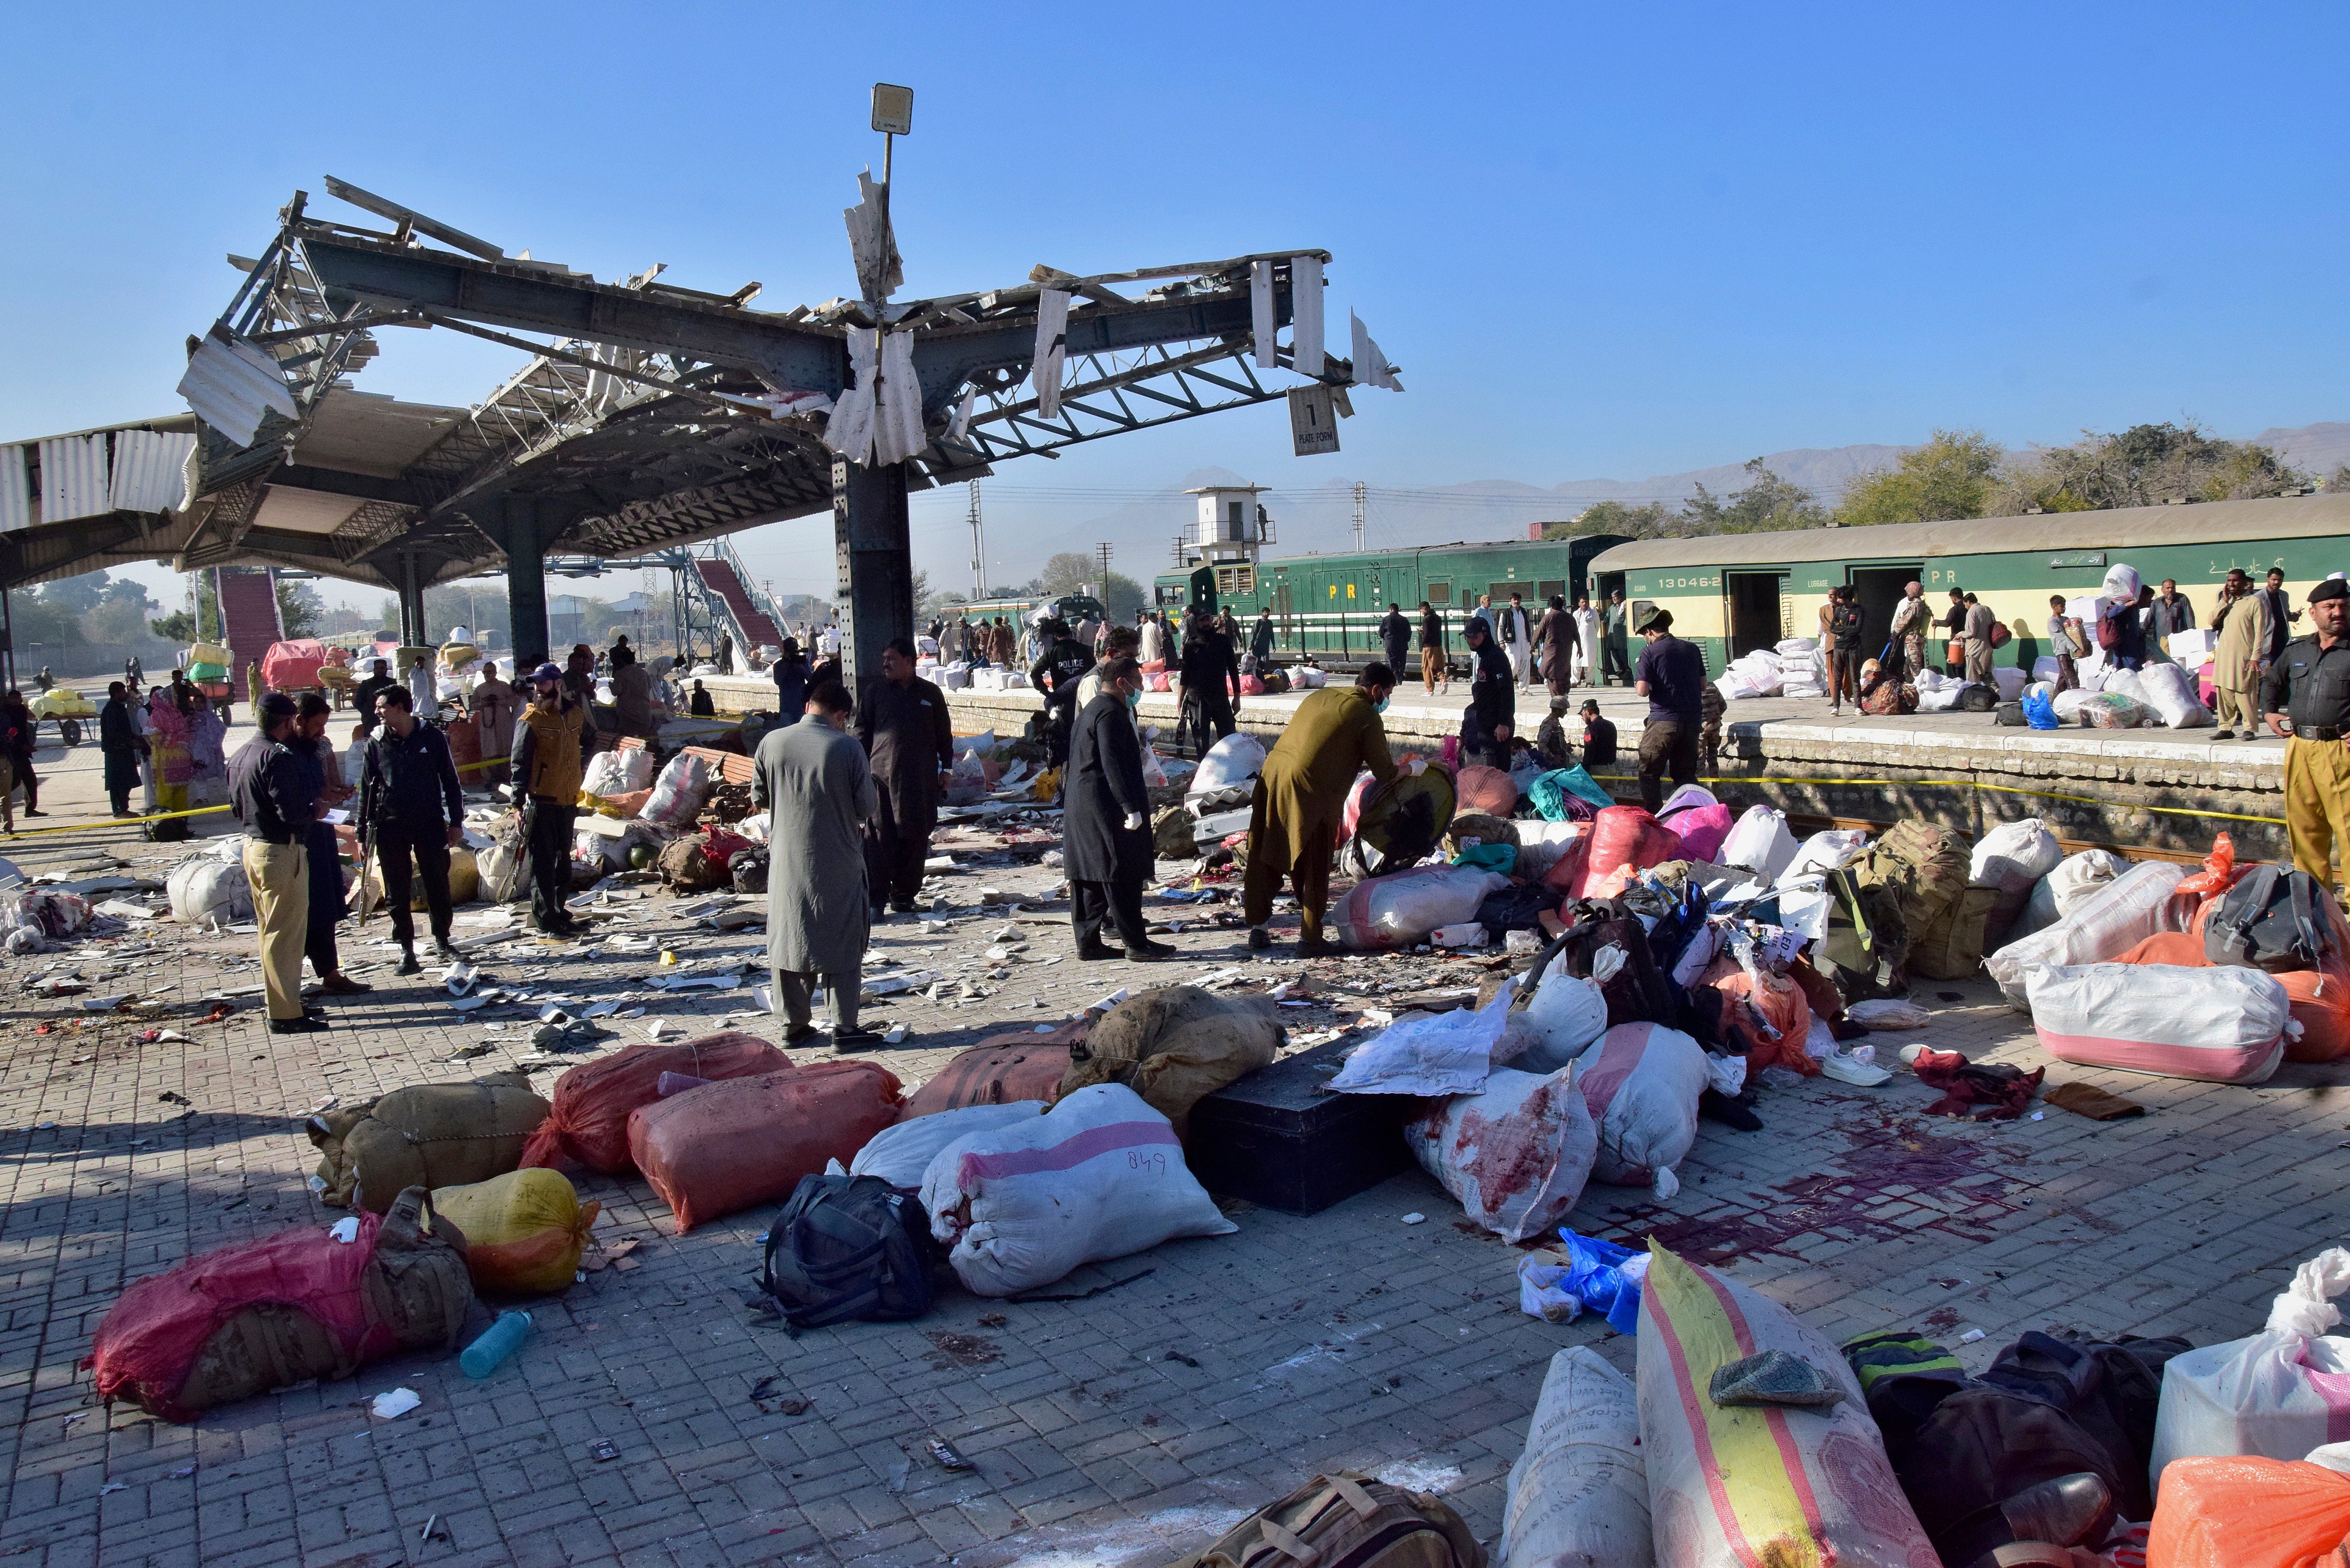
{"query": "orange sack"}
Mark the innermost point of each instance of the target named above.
(1782, 1005)
(588, 1121)
(2248, 1512)
(729, 1145)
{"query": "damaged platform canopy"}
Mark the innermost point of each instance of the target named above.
(648, 415)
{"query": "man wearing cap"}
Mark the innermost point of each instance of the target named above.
(1486, 724)
(1669, 675)
(411, 806)
(2306, 696)
(549, 758)
(274, 789)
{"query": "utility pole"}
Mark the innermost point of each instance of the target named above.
(978, 548)
(1101, 559)
(1358, 516)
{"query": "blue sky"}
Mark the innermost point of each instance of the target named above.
(1600, 241)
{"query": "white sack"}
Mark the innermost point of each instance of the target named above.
(206, 888)
(2077, 878)
(1557, 1024)
(2254, 1395)
(2221, 1024)
(1097, 1177)
(1578, 1495)
(1760, 842)
(2132, 908)
(1803, 896)
(901, 1155)
(2173, 695)
(2122, 586)
(2067, 704)
(683, 788)
(1641, 1083)
(1397, 911)
(1238, 757)
(2046, 668)
(1517, 1156)
(2012, 680)
(1428, 1054)
(2014, 855)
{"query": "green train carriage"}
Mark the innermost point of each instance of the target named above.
(1330, 606)
(1734, 592)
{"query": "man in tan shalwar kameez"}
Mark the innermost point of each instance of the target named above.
(2237, 663)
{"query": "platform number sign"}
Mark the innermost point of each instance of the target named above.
(1313, 421)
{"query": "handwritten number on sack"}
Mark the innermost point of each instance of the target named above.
(1145, 1160)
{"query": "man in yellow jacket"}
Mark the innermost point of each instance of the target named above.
(1300, 800)
(549, 758)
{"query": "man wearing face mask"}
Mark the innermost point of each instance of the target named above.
(1105, 821)
(1301, 799)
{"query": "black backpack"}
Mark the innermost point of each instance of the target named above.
(848, 1247)
(748, 870)
(2269, 920)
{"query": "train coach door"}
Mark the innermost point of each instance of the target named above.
(1879, 591)
(1754, 599)
(1284, 613)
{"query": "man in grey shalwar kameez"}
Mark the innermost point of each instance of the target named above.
(814, 781)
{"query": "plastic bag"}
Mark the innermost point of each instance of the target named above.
(2111, 710)
(1642, 1082)
(2170, 693)
(727, 1146)
(1765, 1017)
(1579, 1491)
(524, 1230)
(1700, 829)
(1803, 883)
(1097, 1177)
(2218, 873)
(2039, 710)
(1889, 1015)
(1238, 757)
(1760, 843)
(2261, 1395)
(1813, 1484)
(587, 1119)
(2221, 1024)
(1433, 1054)
(1624, 841)
(900, 1155)
(1597, 1276)
(1516, 1154)
(2104, 926)
(1396, 911)
(2249, 1514)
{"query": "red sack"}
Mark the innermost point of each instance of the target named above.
(589, 1119)
(1000, 1069)
(2218, 873)
(246, 1318)
(1779, 1001)
(2317, 999)
(1565, 873)
(1623, 838)
(721, 846)
(2241, 1512)
(725, 1147)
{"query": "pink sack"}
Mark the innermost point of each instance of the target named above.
(1252, 686)
(1621, 838)
(1488, 790)
(1700, 829)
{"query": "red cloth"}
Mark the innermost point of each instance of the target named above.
(588, 1117)
(1996, 1090)
(149, 1342)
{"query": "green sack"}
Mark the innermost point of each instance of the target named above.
(1550, 791)
(1952, 947)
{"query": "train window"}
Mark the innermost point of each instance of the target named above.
(1546, 592)
(1440, 593)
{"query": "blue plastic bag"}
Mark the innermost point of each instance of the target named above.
(1598, 1276)
(2039, 711)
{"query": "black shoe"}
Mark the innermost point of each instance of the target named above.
(30, 811)
(408, 964)
(1847, 1029)
(856, 1038)
(904, 909)
(1258, 939)
(1092, 953)
(306, 1024)
(1149, 951)
(1728, 1109)
(444, 952)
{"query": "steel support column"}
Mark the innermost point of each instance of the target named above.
(875, 559)
(411, 604)
(524, 529)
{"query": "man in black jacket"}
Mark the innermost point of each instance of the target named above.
(120, 743)
(1209, 682)
(1488, 720)
(1432, 668)
(1055, 673)
(1599, 738)
(1395, 637)
(902, 721)
(364, 694)
(274, 790)
(409, 805)
(1105, 820)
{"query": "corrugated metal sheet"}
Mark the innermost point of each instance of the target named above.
(15, 489)
(73, 478)
(231, 385)
(150, 470)
(2125, 527)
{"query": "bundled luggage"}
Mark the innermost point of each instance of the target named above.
(1641, 1083)
(264, 1314)
(2275, 1393)
(524, 1230)
(899, 1155)
(1579, 1492)
(728, 1145)
(1002, 1070)
(1383, 913)
(1099, 1176)
(1346, 1521)
(1516, 1154)
(588, 1120)
(2126, 911)
(429, 1135)
(1174, 1046)
(2220, 1024)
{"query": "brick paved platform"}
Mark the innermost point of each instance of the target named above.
(1124, 1427)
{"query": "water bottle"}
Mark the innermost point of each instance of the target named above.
(485, 1354)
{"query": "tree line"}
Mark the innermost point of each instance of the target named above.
(1965, 473)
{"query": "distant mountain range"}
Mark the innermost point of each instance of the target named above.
(1319, 520)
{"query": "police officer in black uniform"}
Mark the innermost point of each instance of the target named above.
(274, 787)
(2306, 696)
(1056, 674)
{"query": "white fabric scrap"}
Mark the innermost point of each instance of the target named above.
(1305, 352)
(1052, 350)
(849, 429)
(871, 243)
(1261, 319)
(1438, 1054)
(898, 434)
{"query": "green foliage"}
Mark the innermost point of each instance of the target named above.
(178, 628)
(1954, 474)
(1767, 504)
(1651, 520)
(2145, 465)
(298, 609)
